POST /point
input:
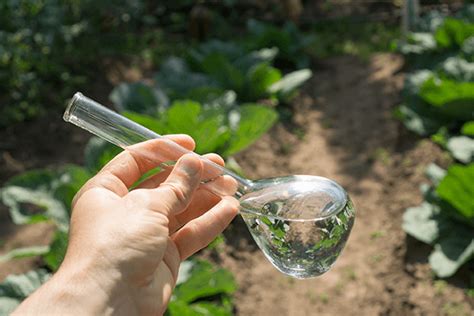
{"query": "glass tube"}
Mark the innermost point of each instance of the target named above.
(119, 130)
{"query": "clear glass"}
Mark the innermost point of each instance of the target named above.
(301, 223)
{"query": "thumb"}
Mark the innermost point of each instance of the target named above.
(175, 194)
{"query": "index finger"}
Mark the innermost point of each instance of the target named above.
(137, 159)
(128, 166)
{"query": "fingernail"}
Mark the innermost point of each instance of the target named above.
(190, 165)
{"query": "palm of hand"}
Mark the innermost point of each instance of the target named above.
(140, 237)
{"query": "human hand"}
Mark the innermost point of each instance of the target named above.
(125, 247)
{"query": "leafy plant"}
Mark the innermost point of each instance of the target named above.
(249, 74)
(341, 36)
(15, 288)
(445, 219)
(418, 115)
(198, 281)
(44, 45)
(437, 102)
(439, 37)
(25, 252)
(452, 33)
(453, 244)
(458, 69)
(468, 128)
(209, 76)
(291, 43)
(222, 130)
(98, 153)
(461, 148)
(41, 195)
(138, 97)
(457, 190)
(440, 102)
(453, 99)
(178, 81)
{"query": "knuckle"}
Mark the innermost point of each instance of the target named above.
(231, 203)
(190, 229)
(179, 193)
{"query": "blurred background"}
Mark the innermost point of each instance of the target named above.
(377, 95)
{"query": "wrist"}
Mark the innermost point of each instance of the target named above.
(78, 288)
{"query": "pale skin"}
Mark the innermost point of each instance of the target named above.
(125, 247)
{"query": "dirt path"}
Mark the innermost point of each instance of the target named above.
(344, 130)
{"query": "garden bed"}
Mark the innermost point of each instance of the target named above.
(342, 128)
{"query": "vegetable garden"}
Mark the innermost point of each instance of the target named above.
(390, 116)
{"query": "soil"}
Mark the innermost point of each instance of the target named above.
(341, 128)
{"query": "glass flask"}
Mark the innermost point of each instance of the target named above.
(300, 222)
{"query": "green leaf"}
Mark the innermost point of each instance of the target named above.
(422, 222)
(21, 285)
(452, 251)
(264, 55)
(233, 165)
(290, 42)
(8, 305)
(205, 281)
(418, 43)
(453, 32)
(183, 115)
(30, 206)
(441, 137)
(57, 250)
(414, 82)
(462, 148)
(223, 71)
(259, 79)
(71, 179)
(251, 121)
(435, 173)
(206, 126)
(185, 269)
(40, 179)
(267, 35)
(468, 128)
(177, 80)
(146, 176)
(213, 127)
(229, 50)
(468, 47)
(210, 309)
(138, 97)
(154, 123)
(430, 21)
(415, 119)
(211, 96)
(457, 189)
(24, 252)
(15, 288)
(180, 308)
(98, 153)
(454, 99)
(290, 82)
(217, 242)
(458, 69)
(40, 195)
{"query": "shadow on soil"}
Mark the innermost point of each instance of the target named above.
(356, 100)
